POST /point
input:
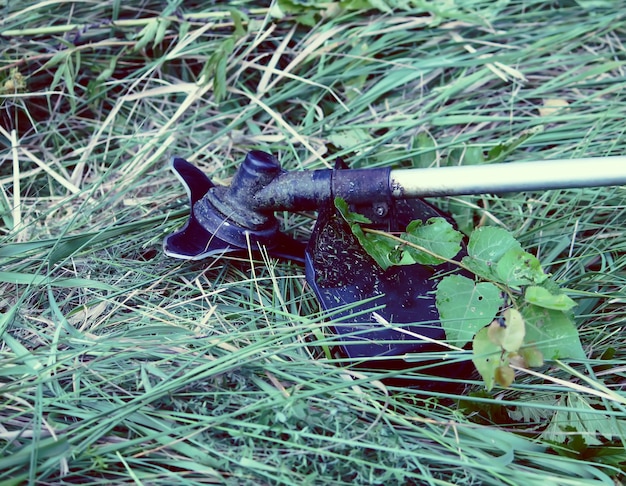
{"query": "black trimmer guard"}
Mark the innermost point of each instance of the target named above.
(394, 320)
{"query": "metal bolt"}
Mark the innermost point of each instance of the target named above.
(381, 209)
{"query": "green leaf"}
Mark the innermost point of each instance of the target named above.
(532, 356)
(381, 249)
(308, 18)
(437, 236)
(510, 336)
(487, 357)
(239, 17)
(146, 34)
(542, 297)
(518, 267)
(473, 156)
(466, 155)
(487, 245)
(381, 5)
(463, 211)
(162, 25)
(107, 72)
(500, 151)
(350, 139)
(504, 375)
(465, 307)
(349, 216)
(552, 332)
(219, 78)
(425, 145)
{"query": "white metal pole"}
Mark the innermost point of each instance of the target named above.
(508, 177)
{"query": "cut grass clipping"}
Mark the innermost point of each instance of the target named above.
(120, 365)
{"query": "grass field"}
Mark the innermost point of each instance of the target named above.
(119, 365)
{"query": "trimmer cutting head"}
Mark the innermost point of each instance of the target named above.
(222, 220)
(376, 314)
